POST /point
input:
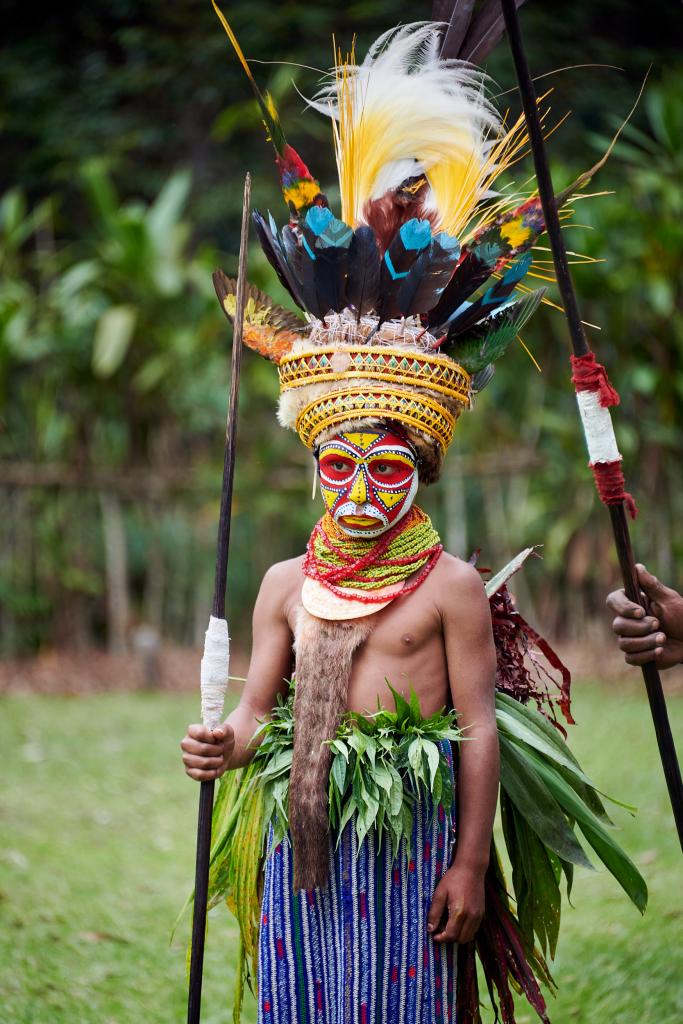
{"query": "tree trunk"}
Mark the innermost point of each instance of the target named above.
(116, 560)
(155, 578)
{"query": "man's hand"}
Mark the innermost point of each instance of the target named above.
(457, 905)
(656, 637)
(207, 753)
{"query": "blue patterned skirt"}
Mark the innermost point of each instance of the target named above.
(357, 951)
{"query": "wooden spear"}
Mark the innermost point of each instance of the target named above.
(215, 661)
(581, 348)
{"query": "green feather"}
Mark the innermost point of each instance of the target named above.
(487, 341)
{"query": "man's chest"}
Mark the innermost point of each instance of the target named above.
(405, 628)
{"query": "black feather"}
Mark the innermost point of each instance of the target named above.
(291, 243)
(471, 273)
(458, 24)
(324, 261)
(499, 292)
(484, 33)
(429, 275)
(277, 259)
(413, 237)
(331, 266)
(362, 286)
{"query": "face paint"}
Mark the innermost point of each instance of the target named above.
(368, 480)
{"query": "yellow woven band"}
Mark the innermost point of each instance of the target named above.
(376, 363)
(419, 411)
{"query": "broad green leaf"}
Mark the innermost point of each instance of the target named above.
(532, 719)
(341, 748)
(347, 814)
(541, 891)
(535, 802)
(517, 730)
(401, 704)
(415, 709)
(608, 850)
(358, 741)
(415, 756)
(338, 773)
(437, 787)
(382, 776)
(433, 758)
(369, 812)
(501, 577)
(396, 793)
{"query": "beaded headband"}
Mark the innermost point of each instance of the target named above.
(334, 385)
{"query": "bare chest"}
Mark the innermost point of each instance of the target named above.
(405, 628)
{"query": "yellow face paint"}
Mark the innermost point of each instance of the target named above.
(368, 480)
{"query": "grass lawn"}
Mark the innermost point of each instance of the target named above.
(97, 831)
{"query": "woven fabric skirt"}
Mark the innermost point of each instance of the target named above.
(357, 951)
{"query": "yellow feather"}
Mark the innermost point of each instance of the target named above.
(403, 112)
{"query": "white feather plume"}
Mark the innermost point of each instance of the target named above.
(404, 112)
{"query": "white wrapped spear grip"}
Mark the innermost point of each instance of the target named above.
(597, 426)
(215, 671)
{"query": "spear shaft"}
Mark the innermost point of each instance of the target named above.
(206, 793)
(580, 346)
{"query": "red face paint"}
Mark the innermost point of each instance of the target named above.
(368, 480)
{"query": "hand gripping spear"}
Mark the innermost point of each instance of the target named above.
(594, 394)
(214, 668)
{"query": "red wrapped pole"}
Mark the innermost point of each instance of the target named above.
(594, 395)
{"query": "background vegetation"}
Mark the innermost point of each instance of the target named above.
(126, 131)
(126, 128)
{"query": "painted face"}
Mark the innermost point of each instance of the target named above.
(368, 480)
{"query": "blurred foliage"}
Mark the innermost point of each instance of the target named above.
(126, 131)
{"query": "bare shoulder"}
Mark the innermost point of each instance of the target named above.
(281, 585)
(283, 574)
(452, 571)
(457, 587)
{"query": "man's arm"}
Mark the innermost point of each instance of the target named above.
(207, 754)
(657, 637)
(471, 657)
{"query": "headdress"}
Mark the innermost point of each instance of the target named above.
(413, 292)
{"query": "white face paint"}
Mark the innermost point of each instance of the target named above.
(368, 480)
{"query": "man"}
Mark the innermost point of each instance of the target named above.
(437, 640)
(644, 637)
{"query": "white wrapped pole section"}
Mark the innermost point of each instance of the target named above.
(215, 671)
(597, 426)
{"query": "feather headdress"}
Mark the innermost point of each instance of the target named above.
(413, 293)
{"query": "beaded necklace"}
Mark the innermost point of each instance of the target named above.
(341, 562)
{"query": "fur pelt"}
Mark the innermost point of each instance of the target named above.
(324, 655)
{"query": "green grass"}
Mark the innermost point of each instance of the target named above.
(97, 831)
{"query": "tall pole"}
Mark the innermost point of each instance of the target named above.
(581, 348)
(216, 650)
